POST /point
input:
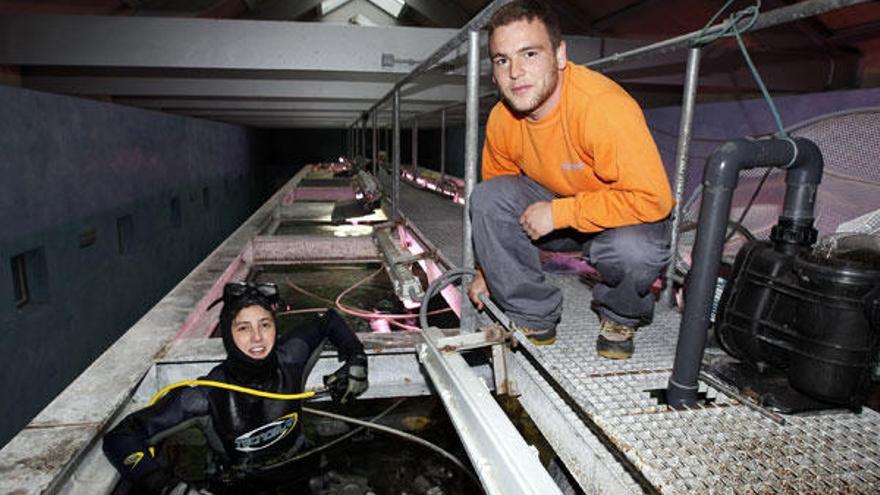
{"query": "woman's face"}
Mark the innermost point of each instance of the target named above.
(253, 331)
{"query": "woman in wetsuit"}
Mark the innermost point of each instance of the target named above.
(252, 436)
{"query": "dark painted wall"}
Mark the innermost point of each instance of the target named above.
(112, 206)
(290, 149)
(429, 148)
(715, 123)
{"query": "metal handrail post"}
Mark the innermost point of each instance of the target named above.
(442, 145)
(681, 162)
(364, 137)
(415, 144)
(395, 138)
(374, 138)
(472, 114)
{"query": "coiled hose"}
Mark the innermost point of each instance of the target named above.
(436, 286)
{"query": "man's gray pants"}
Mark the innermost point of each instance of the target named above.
(629, 258)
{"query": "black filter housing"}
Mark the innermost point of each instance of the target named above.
(815, 319)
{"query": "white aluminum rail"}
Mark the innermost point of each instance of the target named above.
(505, 463)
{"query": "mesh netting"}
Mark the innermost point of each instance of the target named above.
(869, 224)
(847, 200)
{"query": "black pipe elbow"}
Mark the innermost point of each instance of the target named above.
(725, 163)
(808, 165)
(723, 166)
(803, 160)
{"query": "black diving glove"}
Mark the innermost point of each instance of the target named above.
(349, 381)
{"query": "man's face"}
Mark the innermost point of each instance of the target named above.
(526, 67)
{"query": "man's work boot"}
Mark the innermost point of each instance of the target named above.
(539, 336)
(615, 340)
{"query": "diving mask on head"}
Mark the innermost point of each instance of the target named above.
(233, 291)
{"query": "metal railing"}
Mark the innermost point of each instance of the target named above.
(764, 20)
(471, 34)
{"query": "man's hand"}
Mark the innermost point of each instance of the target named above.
(477, 287)
(537, 220)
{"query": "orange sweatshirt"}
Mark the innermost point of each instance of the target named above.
(593, 151)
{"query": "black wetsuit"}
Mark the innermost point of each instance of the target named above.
(249, 433)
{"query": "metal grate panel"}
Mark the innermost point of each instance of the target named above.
(724, 447)
(436, 216)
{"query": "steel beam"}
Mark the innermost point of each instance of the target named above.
(282, 9)
(444, 14)
(503, 460)
(169, 43)
(261, 105)
(231, 88)
(629, 10)
(800, 10)
(243, 114)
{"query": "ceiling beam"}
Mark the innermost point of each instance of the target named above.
(282, 10)
(227, 114)
(268, 106)
(811, 28)
(607, 21)
(84, 41)
(856, 34)
(177, 8)
(782, 71)
(442, 14)
(235, 88)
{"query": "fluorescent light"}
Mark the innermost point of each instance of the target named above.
(328, 6)
(393, 7)
(361, 20)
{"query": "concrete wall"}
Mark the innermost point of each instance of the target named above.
(113, 205)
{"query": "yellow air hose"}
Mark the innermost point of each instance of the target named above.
(229, 386)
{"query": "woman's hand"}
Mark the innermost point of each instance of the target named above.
(349, 381)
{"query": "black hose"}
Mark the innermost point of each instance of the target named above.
(436, 286)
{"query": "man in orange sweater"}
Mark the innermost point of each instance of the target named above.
(568, 162)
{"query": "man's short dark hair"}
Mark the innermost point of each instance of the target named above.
(527, 10)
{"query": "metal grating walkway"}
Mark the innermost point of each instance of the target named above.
(721, 448)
